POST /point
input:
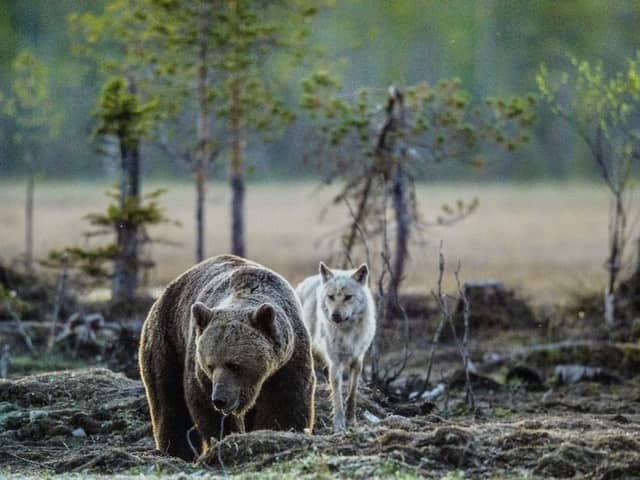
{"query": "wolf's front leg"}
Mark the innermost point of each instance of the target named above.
(354, 375)
(335, 377)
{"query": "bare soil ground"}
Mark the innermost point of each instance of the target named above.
(94, 421)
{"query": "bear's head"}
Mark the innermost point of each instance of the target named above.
(237, 350)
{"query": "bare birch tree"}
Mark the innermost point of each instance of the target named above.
(603, 109)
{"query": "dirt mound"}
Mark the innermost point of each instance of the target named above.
(94, 420)
(494, 305)
(73, 420)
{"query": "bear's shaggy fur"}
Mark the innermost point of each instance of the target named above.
(226, 338)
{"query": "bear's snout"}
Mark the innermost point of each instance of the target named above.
(223, 401)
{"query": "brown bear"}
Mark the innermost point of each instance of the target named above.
(225, 338)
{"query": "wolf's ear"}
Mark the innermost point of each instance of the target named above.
(361, 275)
(325, 272)
(264, 319)
(201, 315)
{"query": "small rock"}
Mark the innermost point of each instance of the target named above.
(398, 421)
(570, 374)
(34, 414)
(370, 417)
(435, 392)
(620, 419)
(79, 432)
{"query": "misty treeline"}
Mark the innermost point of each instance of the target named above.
(493, 46)
(219, 89)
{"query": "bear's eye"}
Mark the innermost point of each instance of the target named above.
(234, 367)
(332, 297)
(348, 297)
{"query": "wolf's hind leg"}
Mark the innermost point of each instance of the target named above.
(354, 375)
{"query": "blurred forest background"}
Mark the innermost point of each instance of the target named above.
(494, 47)
(285, 96)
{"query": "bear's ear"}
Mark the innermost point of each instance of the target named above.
(361, 275)
(264, 319)
(325, 272)
(201, 316)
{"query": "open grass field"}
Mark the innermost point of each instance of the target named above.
(547, 240)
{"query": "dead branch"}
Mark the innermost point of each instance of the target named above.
(470, 399)
(19, 327)
(84, 328)
(438, 332)
(357, 217)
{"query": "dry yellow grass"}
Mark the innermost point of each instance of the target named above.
(543, 239)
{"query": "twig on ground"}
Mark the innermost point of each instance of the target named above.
(470, 399)
(446, 316)
(194, 450)
(438, 332)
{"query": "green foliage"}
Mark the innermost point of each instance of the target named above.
(602, 108)
(490, 45)
(97, 262)
(121, 114)
(158, 43)
(29, 102)
(442, 122)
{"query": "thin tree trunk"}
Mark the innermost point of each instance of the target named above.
(403, 226)
(356, 222)
(399, 201)
(28, 259)
(236, 170)
(200, 221)
(636, 275)
(125, 275)
(237, 176)
(618, 227)
(202, 127)
(617, 233)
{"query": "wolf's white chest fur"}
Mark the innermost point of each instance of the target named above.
(343, 343)
(337, 343)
